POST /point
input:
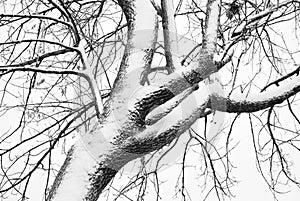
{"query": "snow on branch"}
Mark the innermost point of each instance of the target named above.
(170, 34)
(212, 25)
(166, 108)
(179, 120)
(255, 102)
(180, 80)
(92, 81)
(170, 126)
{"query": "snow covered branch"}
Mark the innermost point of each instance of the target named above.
(170, 34)
(87, 70)
(255, 102)
(170, 126)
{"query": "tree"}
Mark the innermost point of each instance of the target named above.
(61, 75)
